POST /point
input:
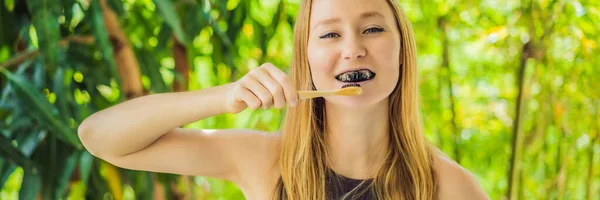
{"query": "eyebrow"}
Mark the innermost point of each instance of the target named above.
(337, 19)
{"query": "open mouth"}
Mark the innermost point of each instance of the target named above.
(356, 76)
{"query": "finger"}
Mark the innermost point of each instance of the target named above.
(290, 92)
(259, 91)
(249, 98)
(273, 86)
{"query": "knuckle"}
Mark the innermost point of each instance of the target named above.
(280, 103)
(266, 65)
(245, 80)
(253, 72)
(284, 79)
(259, 72)
(254, 105)
(275, 88)
(278, 88)
(268, 98)
(280, 94)
(264, 97)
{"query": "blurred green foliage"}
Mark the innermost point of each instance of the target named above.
(481, 64)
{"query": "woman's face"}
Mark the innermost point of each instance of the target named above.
(348, 35)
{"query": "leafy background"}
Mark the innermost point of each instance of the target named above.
(508, 88)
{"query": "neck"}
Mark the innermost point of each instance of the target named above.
(357, 138)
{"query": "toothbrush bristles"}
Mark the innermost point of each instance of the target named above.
(350, 90)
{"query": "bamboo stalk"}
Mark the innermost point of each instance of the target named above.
(517, 139)
(442, 24)
(592, 158)
(124, 57)
(182, 66)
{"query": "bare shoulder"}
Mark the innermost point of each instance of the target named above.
(456, 182)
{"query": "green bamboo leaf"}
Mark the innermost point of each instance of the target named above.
(42, 109)
(39, 75)
(165, 181)
(6, 169)
(235, 22)
(11, 152)
(142, 183)
(45, 20)
(151, 68)
(4, 98)
(19, 123)
(10, 156)
(8, 31)
(195, 16)
(85, 110)
(68, 7)
(167, 10)
(29, 142)
(62, 98)
(98, 187)
(221, 35)
(26, 145)
(85, 165)
(164, 36)
(100, 102)
(275, 23)
(31, 183)
(117, 6)
(49, 160)
(65, 171)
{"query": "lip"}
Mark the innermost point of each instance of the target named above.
(349, 70)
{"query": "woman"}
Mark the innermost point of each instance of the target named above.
(368, 146)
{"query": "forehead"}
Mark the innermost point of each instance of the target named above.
(324, 11)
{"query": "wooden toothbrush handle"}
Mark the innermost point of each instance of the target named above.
(311, 94)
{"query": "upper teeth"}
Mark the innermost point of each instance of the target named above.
(356, 76)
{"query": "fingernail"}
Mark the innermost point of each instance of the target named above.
(294, 103)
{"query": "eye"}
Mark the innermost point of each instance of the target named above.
(374, 30)
(329, 35)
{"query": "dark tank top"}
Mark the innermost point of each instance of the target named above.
(338, 186)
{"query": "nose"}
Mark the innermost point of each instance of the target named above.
(353, 50)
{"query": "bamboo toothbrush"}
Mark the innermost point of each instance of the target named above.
(347, 90)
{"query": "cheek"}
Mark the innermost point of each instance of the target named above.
(321, 61)
(388, 59)
(388, 54)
